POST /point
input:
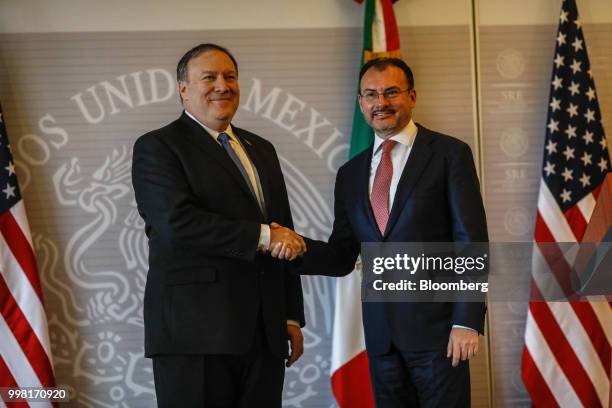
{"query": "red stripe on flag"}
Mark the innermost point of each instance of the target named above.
(7, 380)
(564, 354)
(535, 384)
(25, 336)
(559, 268)
(391, 32)
(554, 258)
(21, 249)
(351, 383)
(576, 221)
(542, 233)
(597, 191)
(596, 333)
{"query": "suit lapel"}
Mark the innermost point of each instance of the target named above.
(203, 140)
(413, 170)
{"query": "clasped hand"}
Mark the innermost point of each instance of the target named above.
(285, 243)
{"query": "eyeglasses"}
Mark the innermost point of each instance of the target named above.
(389, 94)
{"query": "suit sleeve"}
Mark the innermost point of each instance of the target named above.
(172, 212)
(465, 201)
(293, 284)
(469, 224)
(337, 257)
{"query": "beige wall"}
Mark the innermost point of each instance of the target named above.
(502, 12)
(135, 15)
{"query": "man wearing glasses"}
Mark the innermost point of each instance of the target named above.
(411, 185)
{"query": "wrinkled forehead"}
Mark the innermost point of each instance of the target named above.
(387, 77)
(213, 61)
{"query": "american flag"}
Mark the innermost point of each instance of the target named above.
(25, 353)
(566, 359)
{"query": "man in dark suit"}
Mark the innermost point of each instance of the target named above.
(412, 185)
(218, 310)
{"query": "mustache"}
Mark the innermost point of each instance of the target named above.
(387, 110)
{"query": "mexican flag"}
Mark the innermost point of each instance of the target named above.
(380, 39)
(350, 377)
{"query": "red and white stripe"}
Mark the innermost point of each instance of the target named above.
(25, 352)
(385, 35)
(350, 378)
(567, 355)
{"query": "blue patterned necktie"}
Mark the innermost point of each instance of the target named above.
(225, 142)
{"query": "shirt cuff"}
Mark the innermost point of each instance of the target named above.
(464, 327)
(264, 237)
(293, 323)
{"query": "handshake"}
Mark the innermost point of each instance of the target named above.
(285, 243)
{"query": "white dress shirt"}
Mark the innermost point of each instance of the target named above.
(399, 157)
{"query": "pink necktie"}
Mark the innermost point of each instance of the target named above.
(382, 185)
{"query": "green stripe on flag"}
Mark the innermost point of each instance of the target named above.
(367, 26)
(362, 135)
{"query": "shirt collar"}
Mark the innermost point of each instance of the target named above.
(405, 136)
(213, 133)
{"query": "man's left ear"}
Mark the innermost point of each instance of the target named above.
(413, 96)
(182, 88)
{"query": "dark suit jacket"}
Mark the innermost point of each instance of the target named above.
(437, 200)
(206, 284)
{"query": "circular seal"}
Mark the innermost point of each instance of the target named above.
(517, 221)
(513, 142)
(510, 63)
